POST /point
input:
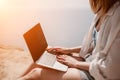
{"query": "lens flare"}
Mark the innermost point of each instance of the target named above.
(2, 3)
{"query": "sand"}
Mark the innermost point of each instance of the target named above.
(14, 62)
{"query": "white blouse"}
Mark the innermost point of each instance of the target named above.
(106, 55)
(106, 64)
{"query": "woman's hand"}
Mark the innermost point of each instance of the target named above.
(64, 50)
(59, 50)
(67, 60)
(72, 62)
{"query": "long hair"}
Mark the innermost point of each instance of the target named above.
(102, 6)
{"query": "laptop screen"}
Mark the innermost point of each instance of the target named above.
(36, 41)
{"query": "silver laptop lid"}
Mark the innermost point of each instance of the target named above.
(35, 41)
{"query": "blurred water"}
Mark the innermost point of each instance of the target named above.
(62, 27)
(66, 27)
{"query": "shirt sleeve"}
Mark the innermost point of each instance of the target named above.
(112, 61)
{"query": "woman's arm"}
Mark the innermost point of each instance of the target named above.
(75, 49)
(83, 65)
(72, 62)
(64, 50)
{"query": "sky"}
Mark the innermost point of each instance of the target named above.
(43, 3)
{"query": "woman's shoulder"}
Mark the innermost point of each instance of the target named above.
(114, 11)
(116, 14)
(115, 19)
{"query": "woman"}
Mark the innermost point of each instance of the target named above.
(99, 56)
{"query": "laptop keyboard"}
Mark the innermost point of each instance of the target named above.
(47, 59)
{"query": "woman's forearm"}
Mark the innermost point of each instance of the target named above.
(83, 65)
(75, 49)
(80, 65)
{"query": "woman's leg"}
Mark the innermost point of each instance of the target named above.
(34, 74)
(45, 74)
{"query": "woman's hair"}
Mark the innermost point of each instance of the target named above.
(102, 6)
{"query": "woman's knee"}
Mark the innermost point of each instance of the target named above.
(34, 74)
(72, 74)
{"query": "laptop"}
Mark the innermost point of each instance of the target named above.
(37, 44)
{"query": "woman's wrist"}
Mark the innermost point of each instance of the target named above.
(75, 49)
(82, 65)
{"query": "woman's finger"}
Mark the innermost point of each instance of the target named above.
(61, 61)
(60, 57)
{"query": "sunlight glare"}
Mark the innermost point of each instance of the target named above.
(2, 3)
